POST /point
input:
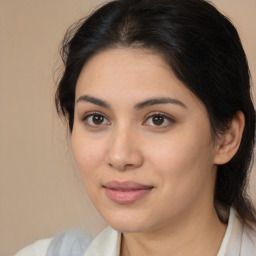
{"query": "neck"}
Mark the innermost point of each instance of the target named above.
(193, 234)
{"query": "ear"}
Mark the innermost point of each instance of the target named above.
(229, 142)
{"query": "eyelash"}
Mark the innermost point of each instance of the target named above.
(166, 118)
(92, 114)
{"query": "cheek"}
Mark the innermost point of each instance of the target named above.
(185, 183)
(88, 154)
(185, 160)
(183, 149)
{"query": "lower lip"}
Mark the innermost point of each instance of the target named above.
(126, 197)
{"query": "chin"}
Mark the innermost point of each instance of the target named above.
(127, 223)
(128, 227)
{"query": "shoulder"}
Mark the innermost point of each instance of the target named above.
(64, 244)
(242, 240)
(248, 244)
(69, 243)
(39, 248)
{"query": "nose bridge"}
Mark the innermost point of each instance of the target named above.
(124, 151)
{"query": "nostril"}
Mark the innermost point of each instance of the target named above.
(129, 166)
(122, 155)
(121, 165)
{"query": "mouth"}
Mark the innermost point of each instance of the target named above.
(126, 192)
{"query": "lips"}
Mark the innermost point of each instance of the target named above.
(126, 192)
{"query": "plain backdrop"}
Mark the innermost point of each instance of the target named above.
(40, 191)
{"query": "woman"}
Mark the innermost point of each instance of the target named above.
(157, 98)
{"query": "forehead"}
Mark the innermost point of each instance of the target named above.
(120, 63)
(130, 73)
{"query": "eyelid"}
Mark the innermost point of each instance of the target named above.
(170, 118)
(167, 117)
(89, 114)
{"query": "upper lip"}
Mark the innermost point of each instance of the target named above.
(126, 185)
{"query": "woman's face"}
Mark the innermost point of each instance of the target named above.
(142, 141)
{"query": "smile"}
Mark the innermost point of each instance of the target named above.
(126, 192)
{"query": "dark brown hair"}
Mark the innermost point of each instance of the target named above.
(203, 49)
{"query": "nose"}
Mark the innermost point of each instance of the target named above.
(124, 150)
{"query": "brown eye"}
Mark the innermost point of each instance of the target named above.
(158, 120)
(95, 120)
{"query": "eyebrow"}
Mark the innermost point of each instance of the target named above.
(93, 100)
(138, 106)
(155, 101)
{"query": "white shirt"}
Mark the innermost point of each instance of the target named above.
(239, 240)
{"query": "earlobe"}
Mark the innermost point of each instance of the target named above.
(229, 142)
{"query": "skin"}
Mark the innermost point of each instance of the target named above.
(177, 157)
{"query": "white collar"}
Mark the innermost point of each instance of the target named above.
(108, 242)
(224, 244)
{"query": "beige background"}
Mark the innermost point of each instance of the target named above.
(40, 194)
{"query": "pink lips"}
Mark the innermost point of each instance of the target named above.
(126, 192)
